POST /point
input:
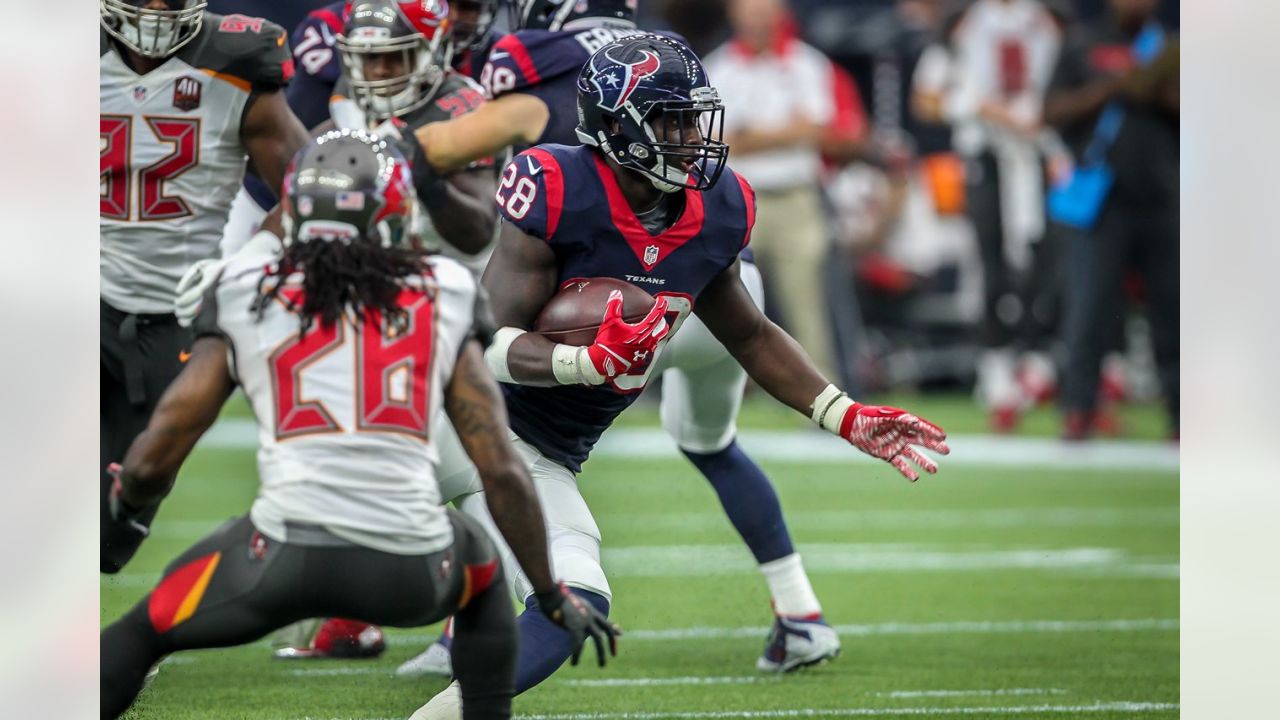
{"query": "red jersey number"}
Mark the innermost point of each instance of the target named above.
(115, 164)
(393, 374)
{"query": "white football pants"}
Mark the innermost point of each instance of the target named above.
(701, 395)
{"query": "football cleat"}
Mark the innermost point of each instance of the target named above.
(434, 661)
(446, 705)
(338, 638)
(795, 643)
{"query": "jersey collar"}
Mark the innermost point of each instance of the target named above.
(649, 249)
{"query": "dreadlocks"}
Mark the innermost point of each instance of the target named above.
(337, 277)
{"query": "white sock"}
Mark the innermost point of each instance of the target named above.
(789, 586)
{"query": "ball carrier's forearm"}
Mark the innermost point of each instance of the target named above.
(777, 363)
(780, 366)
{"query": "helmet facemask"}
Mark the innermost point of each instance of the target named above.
(152, 33)
(392, 97)
(686, 161)
(678, 144)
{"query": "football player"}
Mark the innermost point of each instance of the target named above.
(647, 199)
(352, 300)
(312, 96)
(531, 78)
(184, 96)
(394, 67)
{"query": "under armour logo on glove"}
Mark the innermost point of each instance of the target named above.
(617, 339)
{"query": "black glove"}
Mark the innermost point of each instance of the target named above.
(580, 619)
(126, 529)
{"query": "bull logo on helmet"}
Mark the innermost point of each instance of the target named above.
(616, 83)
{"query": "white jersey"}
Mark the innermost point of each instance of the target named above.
(171, 156)
(344, 412)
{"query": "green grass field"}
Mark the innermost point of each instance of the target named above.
(983, 592)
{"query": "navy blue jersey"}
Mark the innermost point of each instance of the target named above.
(470, 61)
(545, 64)
(316, 60)
(570, 198)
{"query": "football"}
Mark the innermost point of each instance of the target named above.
(573, 314)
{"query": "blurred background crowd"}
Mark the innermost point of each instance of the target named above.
(906, 154)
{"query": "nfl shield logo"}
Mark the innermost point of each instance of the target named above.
(139, 93)
(305, 206)
(186, 93)
(651, 255)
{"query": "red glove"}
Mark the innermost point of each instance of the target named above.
(887, 433)
(620, 347)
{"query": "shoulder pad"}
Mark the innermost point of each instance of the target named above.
(252, 50)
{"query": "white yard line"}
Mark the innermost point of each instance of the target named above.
(666, 561)
(754, 679)
(326, 672)
(965, 627)
(1100, 707)
(969, 518)
(1002, 692)
(691, 680)
(815, 446)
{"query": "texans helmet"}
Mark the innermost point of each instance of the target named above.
(152, 33)
(408, 35)
(349, 186)
(555, 14)
(635, 93)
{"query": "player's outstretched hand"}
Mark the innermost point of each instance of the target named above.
(582, 620)
(194, 284)
(124, 531)
(621, 347)
(892, 435)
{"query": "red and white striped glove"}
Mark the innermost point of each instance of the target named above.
(887, 433)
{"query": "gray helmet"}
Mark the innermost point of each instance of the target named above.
(152, 33)
(417, 32)
(349, 186)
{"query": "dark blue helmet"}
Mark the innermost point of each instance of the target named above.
(555, 14)
(645, 101)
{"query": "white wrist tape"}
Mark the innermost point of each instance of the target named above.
(829, 408)
(572, 366)
(495, 356)
(264, 242)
